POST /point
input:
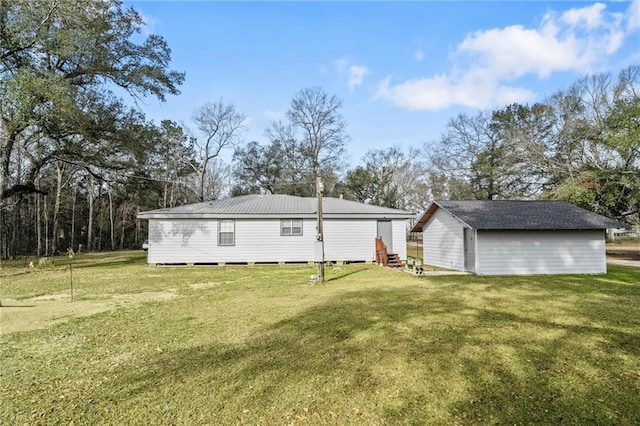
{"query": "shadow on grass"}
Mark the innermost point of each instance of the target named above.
(464, 361)
(5, 305)
(108, 262)
(350, 271)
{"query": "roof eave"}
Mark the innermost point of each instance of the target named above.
(383, 216)
(419, 225)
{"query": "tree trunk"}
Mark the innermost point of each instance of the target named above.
(137, 227)
(90, 221)
(7, 139)
(203, 174)
(73, 216)
(38, 226)
(164, 196)
(113, 242)
(123, 225)
(56, 208)
(46, 226)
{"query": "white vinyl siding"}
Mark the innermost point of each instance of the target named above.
(260, 240)
(443, 242)
(350, 240)
(195, 241)
(399, 238)
(540, 252)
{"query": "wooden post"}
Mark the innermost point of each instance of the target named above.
(320, 236)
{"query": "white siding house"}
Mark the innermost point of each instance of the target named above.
(514, 237)
(541, 252)
(443, 243)
(270, 229)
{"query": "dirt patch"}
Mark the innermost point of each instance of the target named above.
(43, 311)
(202, 286)
(624, 245)
(623, 261)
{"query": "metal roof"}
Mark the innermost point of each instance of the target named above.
(275, 205)
(519, 215)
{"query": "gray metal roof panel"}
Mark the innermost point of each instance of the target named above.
(275, 205)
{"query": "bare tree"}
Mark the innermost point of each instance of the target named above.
(391, 178)
(323, 130)
(220, 126)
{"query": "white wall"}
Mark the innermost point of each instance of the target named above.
(259, 240)
(399, 238)
(540, 252)
(196, 241)
(443, 243)
(350, 239)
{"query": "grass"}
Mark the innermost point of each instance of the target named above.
(262, 345)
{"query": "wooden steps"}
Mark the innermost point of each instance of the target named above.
(385, 258)
(393, 261)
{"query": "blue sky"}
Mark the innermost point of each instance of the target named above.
(402, 69)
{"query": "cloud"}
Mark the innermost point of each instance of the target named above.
(633, 23)
(341, 65)
(419, 55)
(442, 91)
(356, 75)
(590, 17)
(487, 63)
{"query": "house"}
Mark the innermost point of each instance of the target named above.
(514, 237)
(272, 229)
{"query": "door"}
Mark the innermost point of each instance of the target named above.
(385, 230)
(469, 249)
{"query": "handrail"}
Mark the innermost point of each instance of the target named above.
(381, 252)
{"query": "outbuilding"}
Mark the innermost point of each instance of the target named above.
(514, 237)
(272, 229)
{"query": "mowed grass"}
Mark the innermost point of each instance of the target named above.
(263, 345)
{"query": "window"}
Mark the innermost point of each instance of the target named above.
(291, 227)
(226, 232)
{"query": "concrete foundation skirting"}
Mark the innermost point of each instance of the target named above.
(255, 263)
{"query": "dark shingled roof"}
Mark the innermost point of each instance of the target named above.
(521, 215)
(276, 205)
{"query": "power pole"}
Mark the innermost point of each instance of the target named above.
(320, 236)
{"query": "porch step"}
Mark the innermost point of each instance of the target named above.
(394, 261)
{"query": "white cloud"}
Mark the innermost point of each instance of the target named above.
(487, 63)
(419, 55)
(341, 65)
(633, 22)
(442, 91)
(356, 75)
(591, 16)
(514, 51)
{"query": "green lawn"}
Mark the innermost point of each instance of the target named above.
(263, 345)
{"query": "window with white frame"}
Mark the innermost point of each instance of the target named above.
(226, 232)
(290, 227)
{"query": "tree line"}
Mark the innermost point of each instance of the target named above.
(77, 164)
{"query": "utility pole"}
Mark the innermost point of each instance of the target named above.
(320, 236)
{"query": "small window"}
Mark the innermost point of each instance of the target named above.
(226, 232)
(291, 227)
